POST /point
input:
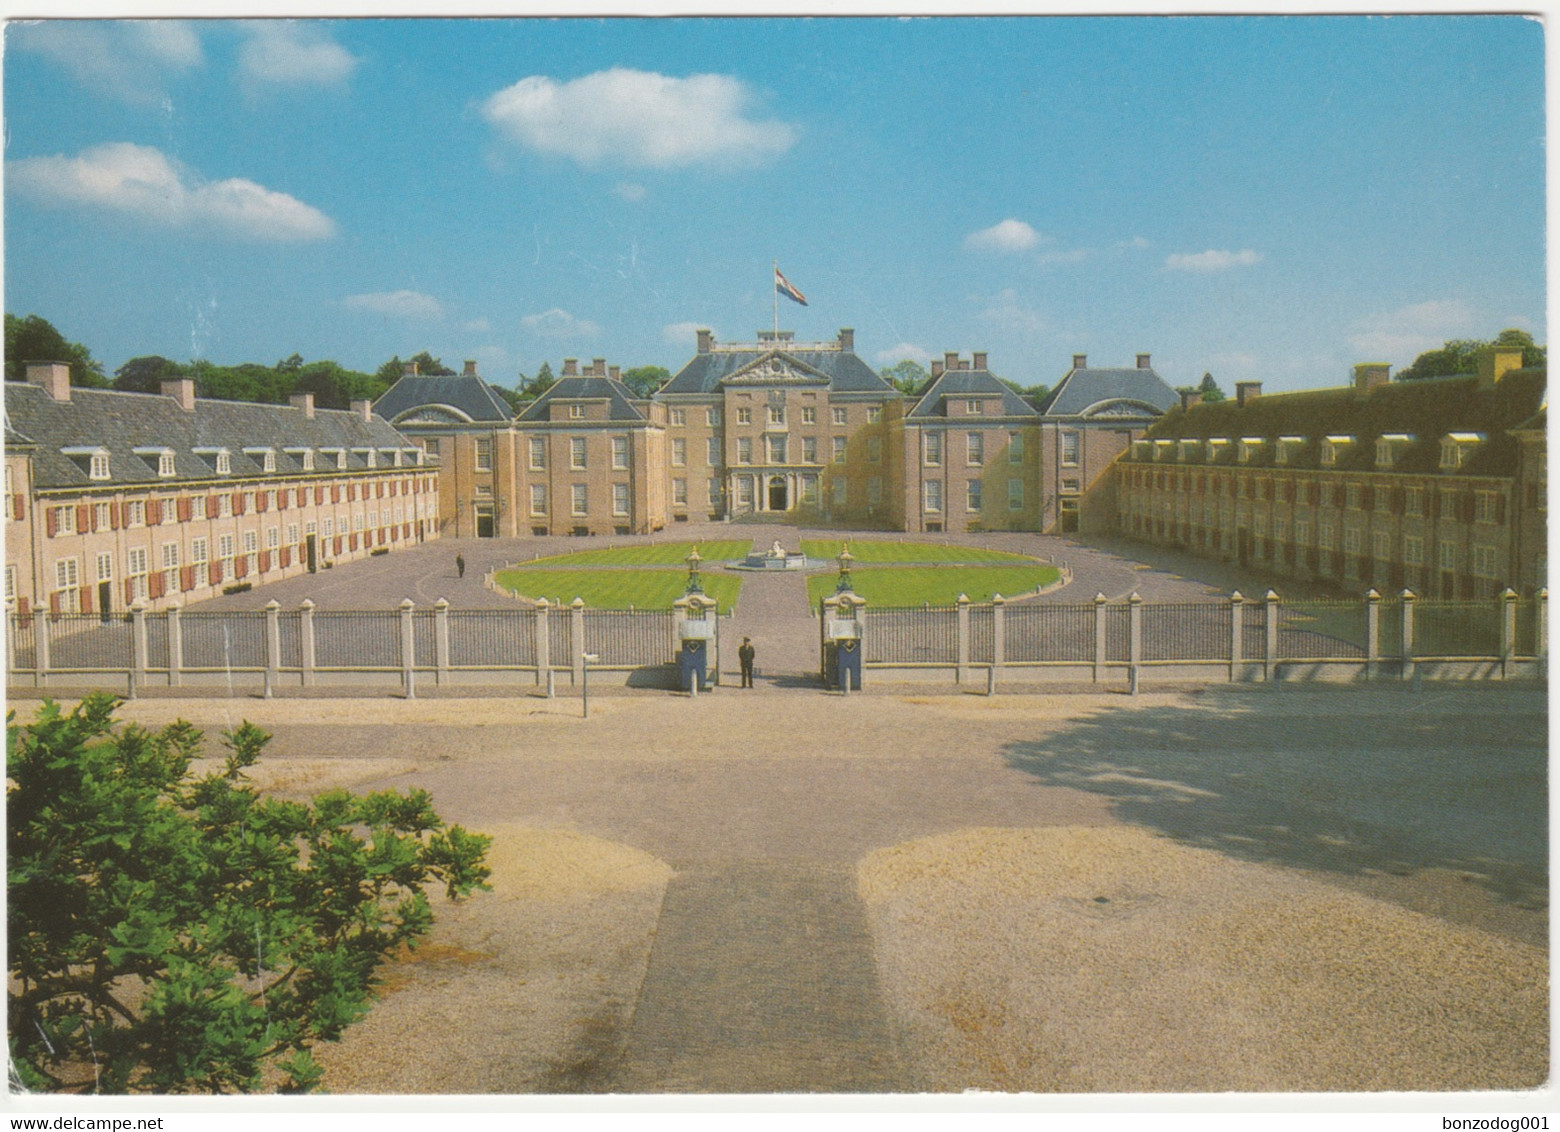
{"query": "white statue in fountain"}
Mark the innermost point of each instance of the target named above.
(777, 551)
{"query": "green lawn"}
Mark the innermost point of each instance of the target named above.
(870, 551)
(650, 554)
(616, 589)
(937, 585)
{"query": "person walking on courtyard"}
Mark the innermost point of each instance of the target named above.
(745, 654)
(460, 565)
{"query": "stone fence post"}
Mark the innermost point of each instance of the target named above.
(998, 635)
(1237, 632)
(138, 643)
(1270, 645)
(441, 641)
(577, 638)
(1134, 640)
(1407, 645)
(408, 649)
(962, 672)
(1372, 632)
(174, 617)
(1508, 631)
(1100, 651)
(306, 641)
(273, 642)
(1541, 640)
(543, 643)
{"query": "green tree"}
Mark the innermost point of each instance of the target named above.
(1461, 356)
(177, 933)
(1210, 390)
(645, 380)
(907, 376)
(34, 339)
(145, 374)
(541, 383)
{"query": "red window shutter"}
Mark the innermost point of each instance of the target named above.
(352, 540)
(319, 496)
(86, 599)
(155, 585)
(186, 578)
(23, 606)
(260, 501)
(212, 506)
(338, 544)
(379, 490)
(51, 521)
(129, 590)
(185, 508)
(54, 604)
(335, 493)
(265, 561)
(21, 507)
(154, 512)
(214, 573)
(238, 503)
(286, 557)
(83, 518)
(240, 567)
(281, 499)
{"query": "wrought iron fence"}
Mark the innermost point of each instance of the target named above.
(360, 640)
(1322, 630)
(1187, 631)
(492, 638)
(917, 635)
(222, 641)
(630, 637)
(1456, 629)
(1034, 634)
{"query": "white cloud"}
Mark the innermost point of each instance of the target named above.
(1008, 313)
(291, 53)
(1212, 260)
(127, 60)
(905, 351)
(559, 323)
(396, 304)
(139, 181)
(630, 192)
(684, 333)
(638, 118)
(1401, 335)
(1007, 236)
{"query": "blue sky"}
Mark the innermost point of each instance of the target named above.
(1263, 198)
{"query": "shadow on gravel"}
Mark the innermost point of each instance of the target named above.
(1388, 783)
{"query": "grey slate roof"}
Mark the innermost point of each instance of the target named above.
(442, 399)
(932, 400)
(1129, 391)
(846, 373)
(620, 403)
(123, 422)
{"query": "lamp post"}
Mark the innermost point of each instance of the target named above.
(845, 558)
(694, 585)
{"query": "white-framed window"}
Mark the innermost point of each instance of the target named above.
(1414, 501)
(1302, 532)
(777, 414)
(483, 460)
(679, 417)
(104, 514)
(712, 451)
(744, 492)
(874, 414)
(809, 414)
(577, 452)
(135, 513)
(679, 492)
(932, 495)
(809, 449)
(273, 538)
(10, 581)
(1351, 540)
(538, 499)
(224, 506)
(744, 450)
(308, 459)
(679, 452)
(839, 449)
(67, 583)
(972, 496)
(974, 449)
(198, 551)
(577, 412)
(1070, 486)
(1413, 550)
(841, 491)
(776, 446)
(1380, 545)
(1447, 555)
(744, 416)
(579, 498)
(712, 416)
(1015, 495)
(1069, 442)
(1485, 506)
(712, 491)
(170, 565)
(1328, 536)
(135, 570)
(292, 534)
(620, 497)
(328, 527)
(874, 449)
(105, 566)
(538, 453)
(224, 463)
(972, 407)
(65, 520)
(1484, 558)
(97, 466)
(1015, 448)
(839, 414)
(1354, 496)
(933, 445)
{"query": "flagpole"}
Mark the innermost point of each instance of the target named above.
(774, 286)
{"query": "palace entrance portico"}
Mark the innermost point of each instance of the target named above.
(771, 489)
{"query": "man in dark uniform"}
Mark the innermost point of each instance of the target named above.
(460, 566)
(745, 654)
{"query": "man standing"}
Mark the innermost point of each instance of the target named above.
(745, 654)
(460, 566)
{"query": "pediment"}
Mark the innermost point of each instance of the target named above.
(776, 368)
(1121, 407)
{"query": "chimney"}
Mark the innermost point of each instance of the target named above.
(364, 409)
(1080, 361)
(951, 359)
(182, 390)
(937, 368)
(847, 339)
(1143, 362)
(1495, 362)
(706, 341)
(598, 368)
(571, 367)
(979, 357)
(1247, 392)
(408, 369)
(1189, 397)
(52, 377)
(305, 401)
(1368, 375)
(471, 367)
(615, 373)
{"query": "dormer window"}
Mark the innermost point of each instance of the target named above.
(157, 458)
(1333, 447)
(265, 457)
(218, 460)
(1189, 448)
(576, 411)
(1249, 446)
(92, 459)
(1283, 446)
(1456, 447)
(1164, 451)
(1213, 447)
(165, 465)
(1143, 449)
(335, 456)
(1387, 447)
(98, 469)
(370, 456)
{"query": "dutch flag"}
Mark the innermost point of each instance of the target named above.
(783, 286)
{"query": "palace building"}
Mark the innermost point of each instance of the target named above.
(114, 498)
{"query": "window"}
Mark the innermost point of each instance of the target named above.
(538, 453)
(712, 416)
(1015, 495)
(839, 450)
(972, 407)
(67, 583)
(431, 445)
(620, 452)
(679, 452)
(679, 417)
(777, 414)
(841, 491)
(135, 513)
(744, 450)
(809, 415)
(874, 490)
(308, 458)
(974, 449)
(933, 446)
(136, 571)
(972, 496)
(1414, 501)
(578, 498)
(10, 582)
(839, 415)
(932, 495)
(577, 452)
(1015, 448)
(198, 552)
(1351, 540)
(1380, 545)
(105, 566)
(620, 497)
(1486, 505)
(292, 534)
(777, 449)
(64, 520)
(679, 492)
(1302, 532)
(1070, 486)
(712, 451)
(170, 565)
(97, 466)
(484, 457)
(744, 416)
(874, 414)
(712, 492)
(1328, 536)
(538, 499)
(268, 463)
(744, 492)
(577, 412)
(224, 463)
(1069, 449)
(273, 538)
(1354, 496)
(874, 448)
(809, 449)
(1448, 555)
(1484, 561)
(1413, 551)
